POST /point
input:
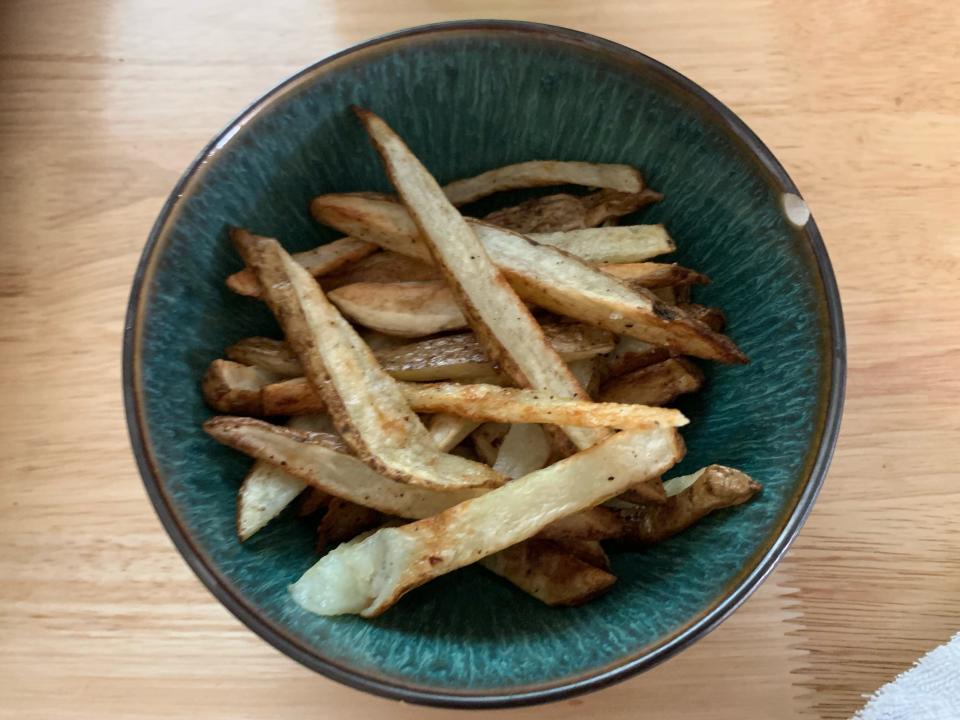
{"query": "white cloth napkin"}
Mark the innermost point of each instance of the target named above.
(928, 691)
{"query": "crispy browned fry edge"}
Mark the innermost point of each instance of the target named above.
(590, 551)
(717, 487)
(550, 573)
(384, 266)
(630, 354)
(598, 523)
(499, 318)
(712, 317)
(343, 521)
(321, 260)
(542, 173)
(560, 212)
(656, 384)
(388, 436)
(654, 274)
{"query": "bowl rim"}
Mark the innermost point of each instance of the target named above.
(739, 588)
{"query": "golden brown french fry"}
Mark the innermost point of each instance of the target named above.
(550, 572)
(321, 460)
(651, 491)
(405, 309)
(383, 266)
(544, 276)
(450, 357)
(343, 521)
(711, 488)
(562, 212)
(627, 244)
(502, 323)
(369, 576)
(540, 173)
(654, 385)
(655, 275)
(590, 551)
(321, 260)
(365, 403)
(234, 388)
(631, 354)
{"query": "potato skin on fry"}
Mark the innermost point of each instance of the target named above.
(560, 212)
(656, 384)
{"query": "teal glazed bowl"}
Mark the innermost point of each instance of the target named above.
(469, 96)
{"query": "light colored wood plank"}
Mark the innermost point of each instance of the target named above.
(104, 103)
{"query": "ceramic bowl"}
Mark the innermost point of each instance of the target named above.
(467, 97)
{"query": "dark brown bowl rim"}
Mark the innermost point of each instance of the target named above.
(737, 592)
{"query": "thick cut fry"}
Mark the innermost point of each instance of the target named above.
(320, 460)
(542, 275)
(234, 388)
(525, 448)
(267, 354)
(711, 488)
(655, 275)
(370, 576)
(511, 405)
(343, 521)
(450, 357)
(365, 403)
(321, 260)
(502, 323)
(268, 489)
(550, 573)
(540, 173)
(627, 244)
(406, 309)
(654, 385)
(383, 266)
(559, 213)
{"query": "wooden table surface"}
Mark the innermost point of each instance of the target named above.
(102, 105)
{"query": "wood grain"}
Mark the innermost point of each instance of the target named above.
(102, 104)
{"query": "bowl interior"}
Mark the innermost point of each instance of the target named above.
(467, 100)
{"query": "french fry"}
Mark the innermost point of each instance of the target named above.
(406, 309)
(450, 357)
(596, 523)
(550, 572)
(502, 323)
(525, 448)
(370, 576)
(234, 388)
(651, 491)
(654, 385)
(321, 260)
(312, 501)
(268, 489)
(540, 173)
(712, 317)
(631, 354)
(320, 460)
(627, 244)
(542, 275)
(343, 521)
(559, 213)
(364, 402)
(709, 489)
(383, 266)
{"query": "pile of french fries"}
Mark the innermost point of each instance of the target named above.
(462, 391)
